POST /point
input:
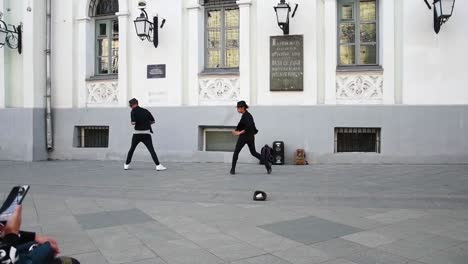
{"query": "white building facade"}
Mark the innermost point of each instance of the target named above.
(366, 64)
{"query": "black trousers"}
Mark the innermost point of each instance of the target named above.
(250, 142)
(146, 139)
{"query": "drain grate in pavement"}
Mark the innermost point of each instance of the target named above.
(310, 230)
(112, 218)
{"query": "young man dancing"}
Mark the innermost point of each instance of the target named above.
(142, 119)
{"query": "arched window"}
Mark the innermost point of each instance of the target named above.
(103, 7)
(107, 36)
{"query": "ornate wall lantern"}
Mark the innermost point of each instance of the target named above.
(146, 29)
(10, 37)
(283, 10)
(443, 10)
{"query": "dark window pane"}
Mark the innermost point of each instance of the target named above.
(347, 12)
(367, 10)
(368, 32)
(115, 28)
(347, 55)
(102, 29)
(368, 54)
(107, 7)
(347, 33)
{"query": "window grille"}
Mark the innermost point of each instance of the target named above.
(92, 136)
(357, 140)
(217, 2)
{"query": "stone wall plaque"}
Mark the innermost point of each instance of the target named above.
(156, 71)
(287, 63)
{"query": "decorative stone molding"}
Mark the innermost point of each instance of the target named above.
(102, 92)
(359, 88)
(221, 90)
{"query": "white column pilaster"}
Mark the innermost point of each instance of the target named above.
(320, 40)
(195, 49)
(84, 66)
(330, 50)
(387, 48)
(123, 52)
(33, 53)
(399, 24)
(2, 69)
(244, 48)
(27, 54)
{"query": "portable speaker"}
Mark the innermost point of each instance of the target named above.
(278, 153)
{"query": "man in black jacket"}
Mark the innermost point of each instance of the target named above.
(27, 247)
(246, 132)
(142, 119)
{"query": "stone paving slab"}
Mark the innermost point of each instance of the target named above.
(198, 213)
(310, 230)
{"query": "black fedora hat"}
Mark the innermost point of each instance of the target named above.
(259, 196)
(242, 104)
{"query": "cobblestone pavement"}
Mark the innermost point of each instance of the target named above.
(199, 214)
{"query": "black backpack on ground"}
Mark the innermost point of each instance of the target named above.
(267, 154)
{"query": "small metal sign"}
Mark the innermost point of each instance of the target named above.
(287, 63)
(156, 71)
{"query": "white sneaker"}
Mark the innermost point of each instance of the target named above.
(160, 167)
(126, 166)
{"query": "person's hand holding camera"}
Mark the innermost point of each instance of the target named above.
(13, 224)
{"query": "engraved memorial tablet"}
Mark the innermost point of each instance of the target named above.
(156, 71)
(287, 63)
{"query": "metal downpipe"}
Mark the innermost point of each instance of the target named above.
(48, 117)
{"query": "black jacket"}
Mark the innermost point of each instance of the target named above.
(247, 123)
(8, 244)
(142, 118)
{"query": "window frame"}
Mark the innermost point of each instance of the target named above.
(223, 68)
(215, 129)
(357, 35)
(109, 20)
(80, 137)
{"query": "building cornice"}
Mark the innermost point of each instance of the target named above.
(244, 2)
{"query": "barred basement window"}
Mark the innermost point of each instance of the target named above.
(357, 140)
(92, 136)
(219, 139)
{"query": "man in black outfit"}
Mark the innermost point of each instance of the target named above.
(246, 131)
(142, 119)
